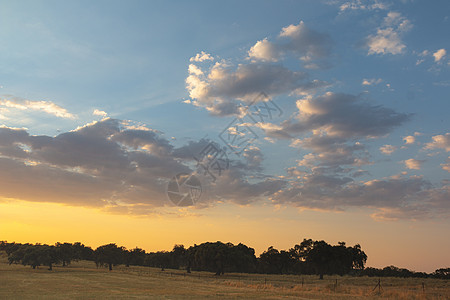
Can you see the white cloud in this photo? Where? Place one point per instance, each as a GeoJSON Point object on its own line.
{"type": "Point", "coordinates": [438, 55]}
{"type": "Point", "coordinates": [193, 69]}
{"type": "Point", "coordinates": [439, 142]}
{"type": "Point", "coordinates": [385, 41]}
{"type": "Point", "coordinates": [413, 164]}
{"type": "Point", "coordinates": [264, 50]}
{"type": "Point", "coordinates": [202, 56]}
{"type": "Point", "coordinates": [388, 149]}
{"type": "Point", "coordinates": [100, 113]}
{"type": "Point", "coordinates": [388, 37]}
{"type": "Point", "coordinates": [45, 106]}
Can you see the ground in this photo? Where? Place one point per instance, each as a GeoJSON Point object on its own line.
{"type": "Point", "coordinates": [82, 280]}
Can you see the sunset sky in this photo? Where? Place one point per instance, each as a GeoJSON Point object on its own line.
{"type": "Point", "coordinates": [341, 109]}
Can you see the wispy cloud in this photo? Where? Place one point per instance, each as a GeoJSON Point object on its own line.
{"type": "Point", "coordinates": [372, 81]}
{"type": "Point", "coordinates": [388, 149]}
{"type": "Point", "coordinates": [44, 106]}
{"type": "Point", "coordinates": [363, 5]}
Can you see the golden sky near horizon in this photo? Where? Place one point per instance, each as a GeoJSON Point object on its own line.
{"type": "Point", "coordinates": [282, 228]}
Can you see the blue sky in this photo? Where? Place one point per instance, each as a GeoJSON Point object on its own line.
{"type": "Point", "coordinates": [137, 89]}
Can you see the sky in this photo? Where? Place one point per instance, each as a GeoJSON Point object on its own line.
{"type": "Point", "coordinates": [154, 123]}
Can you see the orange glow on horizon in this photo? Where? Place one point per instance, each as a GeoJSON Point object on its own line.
{"type": "Point", "coordinates": [23, 222]}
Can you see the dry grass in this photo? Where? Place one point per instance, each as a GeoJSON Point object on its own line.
{"type": "Point", "coordinates": [82, 280]}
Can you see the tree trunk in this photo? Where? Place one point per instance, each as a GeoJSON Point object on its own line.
{"type": "Point", "coordinates": [110, 266]}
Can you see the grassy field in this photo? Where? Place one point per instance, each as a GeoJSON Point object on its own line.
{"type": "Point", "coordinates": [82, 280]}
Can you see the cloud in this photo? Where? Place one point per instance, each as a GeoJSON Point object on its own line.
{"type": "Point", "coordinates": [298, 40]}
{"type": "Point", "coordinates": [438, 55]}
{"type": "Point", "coordinates": [116, 166]}
{"type": "Point", "coordinates": [200, 57]}
{"type": "Point", "coordinates": [409, 197]}
{"type": "Point", "coordinates": [388, 149]}
{"type": "Point", "coordinates": [44, 106]}
{"type": "Point", "coordinates": [329, 151]}
{"type": "Point", "coordinates": [439, 142]}
{"type": "Point", "coordinates": [343, 115]}
{"type": "Point", "coordinates": [222, 85]}
{"type": "Point", "coordinates": [372, 81]}
{"type": "Point", "coordinates": [363, 5]}
{"type": "Point", "coordinates": [446, 165]}
{"type": "Point", "coordinates": [413, 164]}
{"type": "Point", "coordinates": [94, 165]}
{"type": "Point", "coordinates": [388, 38]}
{"type": "Point", "coordinates": [409, 140]}
{"type": "Point", "coordinates": [100, 113]}
{"type": "Point", "coordinates": [264, 50]}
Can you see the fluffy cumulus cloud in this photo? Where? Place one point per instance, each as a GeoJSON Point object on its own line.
{"type": "Point", "coordinates": [297, 40]}
{"type": "Point", "coordinates": [388, 39]}
{"type": "Point", "coordinates": [12, 102]}
{"type": "Point", "coordinates": [441, 141]}
{"type": "Point", "coordinates": [218, 88]}
{"type": "Point", "coordinates": [202, 56]}
{"type": "Point", "coordinates": [219, 85]}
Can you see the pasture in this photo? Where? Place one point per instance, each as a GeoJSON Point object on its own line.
{"type": "Point", "coordinates": [82, 280]}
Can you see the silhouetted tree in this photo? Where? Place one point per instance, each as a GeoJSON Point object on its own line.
{"type": "Point", "coordinates": [109, 254]}
{"type": "Point", "coordinates": [66, 253]}
{"type": "Point", "coordinates": [443, 273]}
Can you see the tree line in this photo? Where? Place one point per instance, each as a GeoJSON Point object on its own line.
{"type": "Point", "coordinates": [308, 257]}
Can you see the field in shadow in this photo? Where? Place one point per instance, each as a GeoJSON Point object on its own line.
{"type": "Point", "coordinates": [82, 280]}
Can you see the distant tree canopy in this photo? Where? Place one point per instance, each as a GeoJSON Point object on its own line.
{"type": "Point", "coordinates": [307, 257]}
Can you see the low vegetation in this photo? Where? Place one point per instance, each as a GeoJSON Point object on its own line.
{"type": "Point", "coordinates": [82, 280]}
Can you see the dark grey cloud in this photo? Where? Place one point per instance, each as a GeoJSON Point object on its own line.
{"type": "Point", "coordinates": [399, 196]}
{"type": "Point", "coordinates": [114, 166]}
{"type": "Point", "coordinates": [343, 115]}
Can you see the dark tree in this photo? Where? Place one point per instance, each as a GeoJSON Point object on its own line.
{"type": "Point", "coordinates": [109, 254]}
{"type": "Point", "coordinates": [83, 252]}
{"type": "Point", "coordinates": [66, 253]}
{"type": "Point", "coordinates": [320, 256]}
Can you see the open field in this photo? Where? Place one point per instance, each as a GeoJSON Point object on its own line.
{"type": "Point", "coordinates": [82, 280]}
